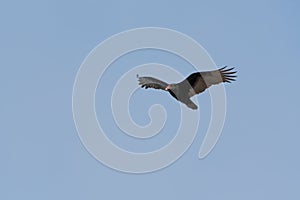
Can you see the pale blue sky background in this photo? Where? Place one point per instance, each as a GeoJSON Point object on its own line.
{"type": "Point", "coordinates": [42, 44]}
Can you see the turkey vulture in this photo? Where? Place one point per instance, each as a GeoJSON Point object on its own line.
{"type": "Point", "coordinates": [194, 84]}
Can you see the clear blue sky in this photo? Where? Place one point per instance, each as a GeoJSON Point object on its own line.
{"type": "Point", "coordinates": [43, 43]}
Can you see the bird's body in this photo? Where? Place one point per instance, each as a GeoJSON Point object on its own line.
{"type": "Point", "coordinates": [194, 84]}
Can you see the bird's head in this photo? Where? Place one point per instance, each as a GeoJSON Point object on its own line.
{"type": "Point", "coordinates": [171, 87]}
{"type": "Point", "coordinates": [168, 87]}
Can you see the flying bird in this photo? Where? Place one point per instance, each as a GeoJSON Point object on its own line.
{"type": "Point", "coordinates": [194, 84]}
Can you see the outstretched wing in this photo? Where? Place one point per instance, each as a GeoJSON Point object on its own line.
{"type": "Point", "coordinates": [202, 80]}
{"type": "Point", "coordinates": [150, 82]}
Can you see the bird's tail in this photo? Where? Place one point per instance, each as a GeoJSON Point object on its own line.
{"type": "Point", "coordinates": [191, 105]}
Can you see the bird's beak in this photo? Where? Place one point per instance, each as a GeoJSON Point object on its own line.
{"type": "Point", "coordinates": [168, 87]}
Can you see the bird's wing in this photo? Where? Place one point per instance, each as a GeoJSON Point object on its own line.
{"type": "Point", "coordinates": [202, 80]}
{"type": "Point", "coordinates": [150, 82]}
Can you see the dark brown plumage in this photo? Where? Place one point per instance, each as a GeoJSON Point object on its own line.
{"type": "Point", "coordinates": [192, 85]}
